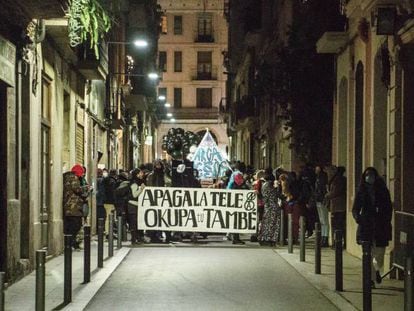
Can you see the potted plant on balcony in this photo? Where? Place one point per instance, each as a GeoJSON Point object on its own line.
{"type": "Point", "coordinates": [88, 22]}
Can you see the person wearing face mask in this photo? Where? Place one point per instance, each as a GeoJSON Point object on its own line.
{"type": "Point", "coordinates": [372, 210]}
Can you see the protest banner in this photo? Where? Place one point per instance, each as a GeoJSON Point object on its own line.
{"type": "Point", "coordinates": [197, 210]}
{"type": "Point", "coordinates": [209, 160]}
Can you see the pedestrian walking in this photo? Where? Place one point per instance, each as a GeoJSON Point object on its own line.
{"type": "Point", "coordinates": [72, 203]}
{"type": "Point", "coordinates": [372, 211]}
{"type": "Point", "coordinates": [336, 198]}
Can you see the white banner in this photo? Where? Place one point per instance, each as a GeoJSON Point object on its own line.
{"type": "Point", "coordinates": [197, 210]}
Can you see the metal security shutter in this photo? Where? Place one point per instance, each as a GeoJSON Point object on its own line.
{"type": "Point", "coordinates": [80, 144]}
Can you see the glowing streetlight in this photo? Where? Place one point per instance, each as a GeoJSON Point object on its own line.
{"type": "Point", "coordinates": [161, 97]}
{"type": "Point", "coordinates": [140, 43]}
{"type": "Point", "coordinates": [153, 75]}
{"type": "Point", "coordinates": [169, 115]}
{"type": "Point", "coordinates": [172, 120]}
{"type": "Point", "coordinates": [167, 105]}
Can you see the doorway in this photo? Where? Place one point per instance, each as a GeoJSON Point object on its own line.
{"type": "Point", "coordinates": [380, 127]}
{"type": "Point", "coordinates": [3, 177]}
{"type": "Point", "coordinates": [359, 123]}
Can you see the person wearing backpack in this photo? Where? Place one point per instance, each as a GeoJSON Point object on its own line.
{"type": "Point", "coordinates": [122, 194]}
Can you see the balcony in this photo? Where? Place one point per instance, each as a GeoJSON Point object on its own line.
{"type": "Point", "coordinates": [331, 42]}
{"type": "Point", "coordinates": [135, 103]}
{"type": "Point", "coordinates": [44, 8]}
{"type": "Point", "coordinates": [90, 67]}
{"type": "Point", "coordinates": [245, 108]}
{"type": "Point", "coordinates": [203, 72]}
{"type": "Point", "coordinates": [190, 113]}
{"type": "Point", "coordinates": [203, 37]}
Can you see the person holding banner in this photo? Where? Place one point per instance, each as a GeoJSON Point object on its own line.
{"type": "Point", "coordinates": [239, 183]}
{"type": "Point", "coordinates": [157, 179]}
{"type": "Point", "coordinates": [137, 185]}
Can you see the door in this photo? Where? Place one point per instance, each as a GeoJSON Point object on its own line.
{"type": "Point", "coordinates": [45, 162]}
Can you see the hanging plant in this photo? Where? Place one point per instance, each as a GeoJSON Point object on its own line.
{"type": "Point", "coordinates": [88, 22]}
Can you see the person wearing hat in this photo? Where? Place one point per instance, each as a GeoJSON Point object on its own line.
{"type": "Point", "coordinates": [72, 203]}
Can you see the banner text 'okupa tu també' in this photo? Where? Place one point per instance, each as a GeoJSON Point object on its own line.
{"type": "Point", "coordinates": [197, 210]}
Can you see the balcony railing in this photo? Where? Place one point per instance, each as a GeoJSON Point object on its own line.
{"type": "Point", "coordinates": [203, 37]}
{"type": "Point", "coordinates": [91, 67]}
{"type": "Point", "coordinates": [245, 108]}
{"type": "Point", "coordinates": [187, 113]}
{"type": "Point", "coordinates": [203, 72]}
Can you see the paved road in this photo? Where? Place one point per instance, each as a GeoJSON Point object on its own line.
{"type": "Point", "coordinates": [197, 278]}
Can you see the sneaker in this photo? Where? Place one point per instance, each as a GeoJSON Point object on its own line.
{"type": "Point", "coordinates": [378, 277]}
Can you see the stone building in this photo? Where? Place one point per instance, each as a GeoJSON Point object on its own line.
{"type": "Point", "coordinates": [59, 106]}
{"type": "Point", "coordinates": [192, 46]}
{"type": "Point", "coordinates": [373, 111]}
{"type": "Point", "coordinates": [279, 105]}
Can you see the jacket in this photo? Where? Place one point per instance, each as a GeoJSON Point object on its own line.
{"type": "Point", "coordinates": [72, 195]}
{"type": "Point", "coordinates": [337, 195]}
{"type": "Point", "coordinates": [373, 216]}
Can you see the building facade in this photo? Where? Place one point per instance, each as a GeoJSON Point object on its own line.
{"type": "Point", "coordinates": [59, 106]}
{"type": "Point", "coordinates": [192, 46]}
{"type": "Point", "coordinates": [279, 105]}
{"type": "Point", "coordinates": [373, 109]}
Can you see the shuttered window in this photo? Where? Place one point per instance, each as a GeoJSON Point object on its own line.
{"type": "Point", "coordinates": [80, 144]}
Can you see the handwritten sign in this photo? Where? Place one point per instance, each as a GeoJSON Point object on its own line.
{"type": "Point", "coordinates": [197, 210]}
{"type": "Point", "coordinates": [209, 160]}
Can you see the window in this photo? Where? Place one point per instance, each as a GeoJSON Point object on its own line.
{"type": "Point", "coordinates": [204, 98]}
{"type": "Point", "coordinates": [205, 28]}
{"type": "Point", "coordinates": [164, 25]}
{"type": "Point", "coordinates": [178, 95]}
{"type": "Point", "coordinates": [178, 25]}
{"type": "Point", "coordinates": [178, 62]}
{"type": "Point", "coordinates": [203, 65]}
{"type": "Point", "coordinates": [162, 61]}
{"type": "Point", "coordinates": [162, 91]}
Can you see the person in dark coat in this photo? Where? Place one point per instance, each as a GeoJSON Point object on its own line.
{"type": "Point", "coordinates": [372, 210]}
{"type": "Point", "coordinates": [336, 198]}
{"type": "Point", "coordinates": [109, 184]}
{"type": "Point", "coordinates": [137, 186]}
{"type": "Point", "coordinates": [100, 198]}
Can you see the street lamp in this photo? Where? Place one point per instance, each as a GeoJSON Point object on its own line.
{"type": "Point", "coordinates": [139, 43]}
{"type": "Point", "coordinates": [172, 120]}
{"type": "Point", "coordinates": [167, 105]}
{"type": "Point", "coordinates": [153, 75]}
{"type": "Point", "coordinates": [169, 115]}
{"type": "Point", "coordinates": [161, 97]}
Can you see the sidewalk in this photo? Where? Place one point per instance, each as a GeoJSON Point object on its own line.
{"type": "Point", "coordinates": [387, 296]}
{"type": "Point", "coordinates": [21, 295]}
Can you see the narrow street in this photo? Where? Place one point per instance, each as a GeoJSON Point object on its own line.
{"type": "Point", "coordinates": [207, 278]}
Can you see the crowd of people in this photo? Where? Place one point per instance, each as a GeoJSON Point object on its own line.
{"type": "Point", "coordinates": [314, 192]}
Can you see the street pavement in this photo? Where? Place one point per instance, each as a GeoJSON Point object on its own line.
{"type": "Point", "coordinates": [207, 278]}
